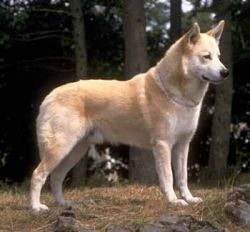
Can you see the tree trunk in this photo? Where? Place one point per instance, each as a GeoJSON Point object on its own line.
{"type": "Point", "coordinates": [79, 38]}
{"type": "Point", "coordinates": [136, 58]}
{"type": "Point", "coordinates": [141, 162]}
{"type": "Point", "coordinates": [220, 142]}
{"type": "Point", "coordinates": [80, 170]}
{"type": "Point", "coordinates": [175, 20]}
{"type": "Point", "coordinates": [142, 167]}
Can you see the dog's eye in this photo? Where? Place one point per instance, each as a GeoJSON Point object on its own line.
{"type": "Point", "coordinates": [208, 56]}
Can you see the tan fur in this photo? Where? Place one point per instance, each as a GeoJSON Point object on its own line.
{"type": "Point", "coordinates": [157, 110]}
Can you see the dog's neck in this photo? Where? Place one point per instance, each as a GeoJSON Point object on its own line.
{"type": "Point", "coordinates": [181, 88]}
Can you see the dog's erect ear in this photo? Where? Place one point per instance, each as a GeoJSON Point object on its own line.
{"type": "Point", "coordinates": [193, 34]}
{"type": "Point", "coordinates": [217, 31]}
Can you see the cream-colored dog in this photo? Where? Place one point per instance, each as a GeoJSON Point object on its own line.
{"type": "Point", "coordinates": [156, 110]}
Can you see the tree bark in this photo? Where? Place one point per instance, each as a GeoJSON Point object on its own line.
{"type": "Point", "coordinates": [175, 20]}
{"type": "Point", "coordinates": [142, 167]}
{"type": "Point", "coordinates": [136, 57]}
{"type": "Point", "coordinates": [79, 38]}
{"type": "Point", "coordinates": [80, 170]}
{"type": "Point", "coordinates": [141, 162]}
{"type": "Point", "coordinates": [220, 142]}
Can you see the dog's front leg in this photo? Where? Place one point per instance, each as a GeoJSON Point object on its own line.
{"type": "Point", "coordinates": [162, 155]}
{"type": "Point", "coordinates": [180, 158]}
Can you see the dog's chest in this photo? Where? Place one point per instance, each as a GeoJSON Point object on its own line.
{"type": "Point", "coordinates": [185, 122]}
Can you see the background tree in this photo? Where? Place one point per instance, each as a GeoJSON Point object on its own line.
{"type": "Point", "coordinates": [79, 38]}
{"type": "Point", "coordinates": [80, 170]}
{"type": "Point", "coordinates": [220, 137]}
{"type": "Point", "coordinates": [175, 20]}
{"type": "Point", "coordinates": [136, 57]}
{"type": "Point", "coordinates": [141, 163]}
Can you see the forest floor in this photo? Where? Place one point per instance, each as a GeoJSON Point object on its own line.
{"type": "Point", "coordinates": [130, 206]}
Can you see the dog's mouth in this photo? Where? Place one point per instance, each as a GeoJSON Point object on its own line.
{"type": "Point", "coordinates": [205, 78]}
{"type": "Point", "coordinates": [211, 81]}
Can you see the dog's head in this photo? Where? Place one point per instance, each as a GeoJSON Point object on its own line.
{"type": "Point", "coordinates": [201, 56]}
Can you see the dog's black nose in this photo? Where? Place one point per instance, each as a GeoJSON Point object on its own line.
{"type": "Point", "coordinates": [224, 73]}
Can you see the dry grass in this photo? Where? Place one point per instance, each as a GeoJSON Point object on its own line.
{"type": "Point", "coordinates": [100, 208]}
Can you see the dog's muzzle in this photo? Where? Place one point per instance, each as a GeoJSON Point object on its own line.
{"type": "Point", "coordinates": [224, 73]}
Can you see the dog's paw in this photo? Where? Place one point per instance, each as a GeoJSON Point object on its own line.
{"type": "Point", "coordinates": [39, 208]}
{"type": "Point", "coordinates": [193, 200]}
{"type": "Point", "coordinates": [179, 203]}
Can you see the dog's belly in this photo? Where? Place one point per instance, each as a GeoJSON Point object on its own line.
{"type": "Point", "coordinates": [130, 136]}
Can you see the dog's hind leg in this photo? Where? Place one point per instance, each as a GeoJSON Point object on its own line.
{"type": "Point", "coordinates": [59, 173]}
{"type": "Point", "coordinates": [56, 138]}
{"type": "Point", "coordinates": [38, 179]}
{"type": "Point", "coordinates": [49, 161]}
